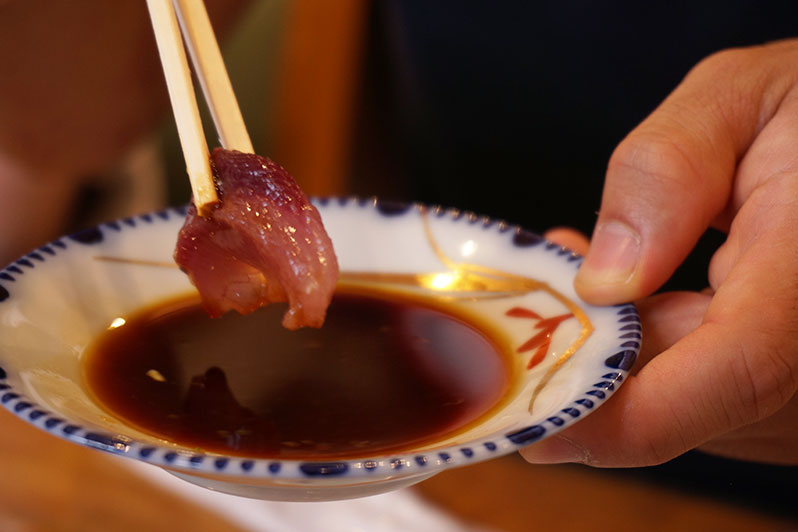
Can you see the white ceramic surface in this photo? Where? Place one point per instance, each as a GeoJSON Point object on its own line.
{"type": "Point", "coordinates": [57, 299]}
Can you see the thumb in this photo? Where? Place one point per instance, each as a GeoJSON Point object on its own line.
{"type": "Point", "coordinates": [672, 176]}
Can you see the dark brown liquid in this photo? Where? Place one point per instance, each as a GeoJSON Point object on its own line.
{"type": "Point", "coordinates": [382, 374]}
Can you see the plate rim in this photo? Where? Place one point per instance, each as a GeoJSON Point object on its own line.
{"type": "Point", "coordinates": [376, 468]}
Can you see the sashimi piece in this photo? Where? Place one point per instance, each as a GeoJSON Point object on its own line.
{"type": "Point", "coordinates": [263, 243]}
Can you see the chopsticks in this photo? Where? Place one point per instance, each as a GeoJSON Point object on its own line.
{"type": "Point", "coordinates": [215, 83]}
{"type": "Point", "coordinates": [212, 75]}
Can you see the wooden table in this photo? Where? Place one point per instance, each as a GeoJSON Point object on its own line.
{"type": "Point", "coordinates": [51, 485]}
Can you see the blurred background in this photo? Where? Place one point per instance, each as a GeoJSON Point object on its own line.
{"type": "Point", "coordinates": [508, 109]}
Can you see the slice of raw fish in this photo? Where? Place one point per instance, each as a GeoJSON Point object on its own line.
{"type": "Point", "coordinates": [263, 243]}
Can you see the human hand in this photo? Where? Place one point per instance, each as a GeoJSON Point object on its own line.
{"type": "Point", "coordinates": [719, 369]}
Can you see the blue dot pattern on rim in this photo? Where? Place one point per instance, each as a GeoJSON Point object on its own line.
{"type": "Point", "coordinates": [629, 329]}
{"type": "Point", "coordinates": [146, 452]}
{"type": "Point", "coordinates": [392, 208]}
{"type": "Point", "coordinates": [9, 396]}
{"type": "Point", "coordinates": [53, 422]}
{"type": "Point", "coordinates": [93, 235]}
{"type": "Point", "coordinates": [527, 435]}
{"type": "Point", "coordinates": [326, 469]}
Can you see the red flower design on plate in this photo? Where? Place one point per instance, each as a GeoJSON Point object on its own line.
{"type": "Point", "coordinates": [541, 341]}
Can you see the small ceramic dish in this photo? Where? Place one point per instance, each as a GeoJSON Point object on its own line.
{"type": "Point", "coordinates": [570, 356]}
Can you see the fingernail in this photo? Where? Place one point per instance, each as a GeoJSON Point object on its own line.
{"type": "Point", "coordinates": [557, 449]}
{"type": "Point", "coordinates": [613, 256]}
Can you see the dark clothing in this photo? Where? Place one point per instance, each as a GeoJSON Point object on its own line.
{"type": "Point", "coordinates": [512, 109]}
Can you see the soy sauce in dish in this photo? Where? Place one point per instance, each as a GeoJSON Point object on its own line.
{"type": "Point", "coordinates": [385, 373]}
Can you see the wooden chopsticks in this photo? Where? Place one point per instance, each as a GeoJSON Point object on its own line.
{"type": "Point", "coordinates": [212, 75]}
{"type": "Point", "coordinates": [215, 82]}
